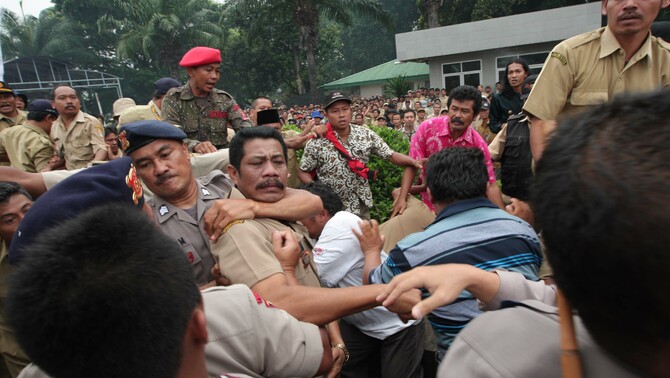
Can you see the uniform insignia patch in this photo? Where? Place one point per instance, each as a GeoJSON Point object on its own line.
{"type": "Point", "coordinates": [231, 224]}
{"type": "Point", "coordinates": [205, 192]}
{"type": "Point", "coordinates": [560, 57]}
{"type": "Point", "coordinates": [305, 258]}
{"type": "Point", "coordinates": [163, 210]}
{"type": "Point", "coordinates": [134, 183]}
{"type": "Point", "coordinates": [123, 138]}
{"type": "Point", "coordinates": [190, 257]}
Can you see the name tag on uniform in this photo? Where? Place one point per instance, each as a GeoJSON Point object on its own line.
{"type": "Point", "coordinates": [218, 114]}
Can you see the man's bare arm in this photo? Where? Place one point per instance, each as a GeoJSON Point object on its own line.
{"type": "Point", "coordinates": [32, 182]}
{"type": "Point", "coordinates": [317, 305]}
{"type": "Point", "coordinates": [539, 132]}
{"type": "Point", "coordinates": [302, 203]}
{"type": "Point", "coordinates": [400, 203]}
{"type": "Point", "coordinates": [494, 195]}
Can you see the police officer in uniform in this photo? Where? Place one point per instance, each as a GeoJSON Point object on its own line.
{"type": "Point", "coordinates": [202, 111]}
{"type": "Point", "coordinates": [9, 114]}
{"type": "Point", "coordinates": [182, 203]}
{"type": "Point", "coordinates": [591, 68]}
{"type": "Point", "coordinates": [29, 146]}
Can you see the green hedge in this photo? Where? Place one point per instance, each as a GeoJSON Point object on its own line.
{"type": "Point", "coordinates": [389, 175]}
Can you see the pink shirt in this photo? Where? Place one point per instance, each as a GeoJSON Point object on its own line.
{"type": "Point", "coordinates": [433, 135]}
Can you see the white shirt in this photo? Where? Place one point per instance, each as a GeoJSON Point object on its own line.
{"type": "Point", "coordinates": [339, 260]}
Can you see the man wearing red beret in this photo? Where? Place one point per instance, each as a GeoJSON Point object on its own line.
{"type": "Point", "coordinates": [202, 111]}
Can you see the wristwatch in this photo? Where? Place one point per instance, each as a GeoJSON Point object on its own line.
{"type": "Point", "coordinates": [344, 349]}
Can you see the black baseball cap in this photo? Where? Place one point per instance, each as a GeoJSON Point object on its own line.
{"type": "Point", "coordinates": [334, 97]}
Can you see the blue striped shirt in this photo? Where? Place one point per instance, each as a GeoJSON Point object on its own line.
{"type": "Point", "coordinates": [475, 232]}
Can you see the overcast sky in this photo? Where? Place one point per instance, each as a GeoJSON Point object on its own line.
{"type": "Point", "coordinates": [30, 7]}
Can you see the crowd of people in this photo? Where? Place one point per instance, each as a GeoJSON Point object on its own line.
{"type": "Point", "coordinates": [187, 239]}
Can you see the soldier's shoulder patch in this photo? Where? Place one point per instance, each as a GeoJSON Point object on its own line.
{"type": "Point", "coordinates": [560, 57]}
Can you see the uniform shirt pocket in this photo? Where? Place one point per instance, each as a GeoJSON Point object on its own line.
{"type": "Point", "coordinates": [588, 98]}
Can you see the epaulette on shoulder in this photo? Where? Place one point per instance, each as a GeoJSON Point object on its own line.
{"type": "Point", "coordinates": [221, 91]}
{"type": "Point", "coordinates": [661, 42]}
{"type": "Point", "coordinates": [584, 38]}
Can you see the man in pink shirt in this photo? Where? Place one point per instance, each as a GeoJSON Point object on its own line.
{"type": "Point", "coordinates": [439, 133]}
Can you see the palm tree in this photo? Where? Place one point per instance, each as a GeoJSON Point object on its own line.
{"type": "Point", "coordinates": [52, 34]}
{"type": "Point", "coordinates": [161, 31]}
{"type": "Point", "coordinates": [305, 14]}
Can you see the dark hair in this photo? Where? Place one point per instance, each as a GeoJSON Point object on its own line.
{"type": "Point", "coordinates": [23, 97]}
{"type": "Point", "coordinates": [507, 89]}
{"type": "Point", "coordinates": [52, 93]}
{"type": "Point", "coordinates": [601, 197]}
{"type": "Point", "coordinates": [255, 101]}
{"type": "Point", "coordinates": [464, 93]}
{"type": "Point", "coordinates": [116, 301]}
{"type": "Point", "coordinates": [331, 201]}
{"type": "Point", "coordinates": [457, 173]}
{"type": "Point", "coordinates": [9, 188]}
{"type": "Point", "coordinates": [236, 148]}
{"type": "Point", "coordinates": [110, 130]}
{"type": "Point", "coordinates": [408, 111]}
{"type": "Point", "coordinates": [391, 114]}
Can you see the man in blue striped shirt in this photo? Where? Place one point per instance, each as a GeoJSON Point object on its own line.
{"type": "Point", "coordinates": [469, 229]}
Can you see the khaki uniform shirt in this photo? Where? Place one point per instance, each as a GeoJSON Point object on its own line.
{"type": "Point", "coordinates": [590, 69]}
{"type": "Point", "coordinates": [523, 341]}
{"type": "Point", "coordinates": [6, 122]}
{"type": "Point", "coordinates": [246, 256]}
{"type": "Point", "coordinates": [14, 358]}
{"type": "Point", "coordinates": [292, 163]}
{"type": "Point", "coordinates": [483, 129]}
{"type": "Point", "coordinates": [189, 233]}
{"type": "Point", "coordinates": [416, 217]}
{"type": "Point", "coordinates": [28, 147]}
{"type": "Point", "coordinates": [203, 118]}
{"type": "Point", "coordinates": [80, 141]}
{"type": "Point", "coordinates": [155, 109]}
{"type": "Point", "coordinates": [248, 335]}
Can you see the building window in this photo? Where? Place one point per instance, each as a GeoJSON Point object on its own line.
{"type": "Point", "coordinates": [462, 73]}
{"type": "Point", "coordinates": [535, 62]}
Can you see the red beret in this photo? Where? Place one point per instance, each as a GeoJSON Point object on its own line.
{"type": "Point", "coordinates": [199, 56]}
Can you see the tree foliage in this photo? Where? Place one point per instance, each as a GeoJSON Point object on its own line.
{"type": "Point", "coordinates": [397, 86]}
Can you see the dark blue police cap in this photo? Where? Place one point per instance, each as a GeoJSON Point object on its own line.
{"type": "Point", "coordinates": [165, 84]}
{"type": "Point", "coordinates": [112, 182]}
{"type": "Point", "coordinates": [138, 134]}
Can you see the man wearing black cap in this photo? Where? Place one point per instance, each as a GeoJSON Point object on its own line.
{"type": "Point", "coordinates": [202, 111]}
{"type": "Point", "coordinates": [340, 158]}
{"type": "Point", "coordinates": [187, 208]}
{"type": "Point", "coordinates": [9, 114]}
{"type": "Point", "coordinates": [28, 146]}
{"type": "Point", "coordinates": [163, 85]}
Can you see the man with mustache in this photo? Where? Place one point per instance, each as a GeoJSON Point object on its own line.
{"type": "Point", "coordinates": [202, 111]}
{"type": "Point", "coordinates": [591, 68]}
{"type": "Point", "coordinates": [9, 114]}
{"type": "Point", "coordinates": [439, 133]}
{"type": "Point", "coordinates": [191, 210]}
{"type": "Point", "coordinates": [245, 251]}
{"type": "Point", "coordinates": [79, 137]}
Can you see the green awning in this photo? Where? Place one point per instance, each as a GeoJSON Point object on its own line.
{"type": "Point", "coordinates": [379, 74]}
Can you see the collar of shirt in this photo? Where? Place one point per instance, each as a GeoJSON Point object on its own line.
{"type": "Point", "coordinates": [78, 118]}
{"type": "Point", "coordinates": [443, 130]}
{"type": "Point", "coordinates": [609, 45]}
{"type": "Point", "coordinates": [166, 210]}
{"type": "Point", "coordinates": [464, 205]}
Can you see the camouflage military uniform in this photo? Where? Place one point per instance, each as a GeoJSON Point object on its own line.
{"type": "Point", "coordinates": [203, 118]}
